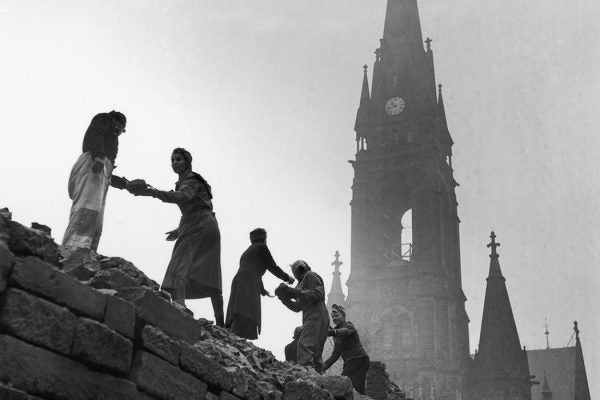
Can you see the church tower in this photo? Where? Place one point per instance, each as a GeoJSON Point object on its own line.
{"type": "Point", "coordinates": [404, 289]}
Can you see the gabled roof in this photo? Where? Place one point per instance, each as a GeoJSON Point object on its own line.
{"type": "Point", "coordinates": [559, 366]}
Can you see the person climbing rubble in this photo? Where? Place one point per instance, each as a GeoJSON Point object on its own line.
{"type": "Point", "coordinates": [309, 297]}
{"type": "Point", "coordinates": [244, 311]}
{"type": "Point", "coordinates": [347, 345]}
{"type": "Point", "coordinates": [194, 271]}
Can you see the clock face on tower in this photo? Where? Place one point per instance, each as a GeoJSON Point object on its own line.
{"type": "Point", "coordinates": [394, 106]}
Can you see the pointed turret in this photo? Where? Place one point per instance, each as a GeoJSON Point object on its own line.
{"type": "Point", "coordinates": [363, 115]}
{"type": "Point", "coordinates": [582, 389]}
{"type": "Point", "coordinates": [336, 295]}
{"type": "Point", "coordinates": [546, 392]}
{"type": "Point", "coordinates": [501, 360]}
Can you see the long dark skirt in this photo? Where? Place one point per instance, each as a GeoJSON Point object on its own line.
{"type": "Point", "coordinates": [196, 262]}
{"type": "Point", "coordinates": [356, 369]}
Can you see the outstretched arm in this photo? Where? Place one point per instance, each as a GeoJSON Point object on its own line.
{"type": "Point", "coordinates": [335, 355]}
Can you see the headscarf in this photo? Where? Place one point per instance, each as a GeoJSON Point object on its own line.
{"type": "Point", "coordinates": [339, 309]}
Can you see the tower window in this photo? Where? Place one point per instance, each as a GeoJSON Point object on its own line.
{"type": "Point", "coordinates": [406, 236]}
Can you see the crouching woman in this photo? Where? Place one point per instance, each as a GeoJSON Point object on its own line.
{"type": "Point", "coordinates": [347, 345]}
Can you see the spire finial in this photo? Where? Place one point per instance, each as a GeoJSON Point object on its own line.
{"type": "Point", "coordinates": [428, 42]}
{"type": "Point", "coordinates": [493, 245]}
{"type": "Point", "coordinates": [365, 68]}
{"type": "Point", "coordinates": [547, 333]}
{"type": "Point", "coordinates": [337, 263]}
{"type": "Point", "coordinates": [440, 90]}
{"type": "Point", "coordinates": [576, 329]}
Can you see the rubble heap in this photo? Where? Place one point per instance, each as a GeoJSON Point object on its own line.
{"type": "Point", "coordinates": [83, 326]}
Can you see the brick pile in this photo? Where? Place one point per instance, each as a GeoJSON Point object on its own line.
{"type": "Point", "coordinates": [94, 328]}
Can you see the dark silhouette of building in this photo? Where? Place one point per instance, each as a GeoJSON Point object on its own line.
{"type": "Point", "coordinates": [563, 372]}
{"type": "Point", "coordinates": [404, 290]}
{"type": "Point", "coordinates": [501, 368]}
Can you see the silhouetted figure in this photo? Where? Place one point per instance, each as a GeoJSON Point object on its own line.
{"type": "Point", "coordinates": [244, 311]}
{"type": "Point", "coordinates": [309, 297]}
{"type": "Point", "coordinates": [90, 178]}
{"type": "Point", "coordinates": [194, 271]}
{"type": "Point", "coordinates": [291, 349]}
{"type": "Point", "coordinates": [347, 345]}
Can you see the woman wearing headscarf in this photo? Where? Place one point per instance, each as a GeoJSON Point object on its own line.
{"type": "Point", "coordinates": [309, 297]}
{"type": "Point", "coordinates": [243, 311]}
{"type": "Point", "coordinates": [347, 345]}
{"type": "Point", "coordinates": [194, 271]}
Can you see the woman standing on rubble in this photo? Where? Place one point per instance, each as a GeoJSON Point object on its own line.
{"type": "Point", "coordinates": [194, 271]}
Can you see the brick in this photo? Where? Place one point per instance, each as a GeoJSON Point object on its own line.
{"type": "Point", "coordinates": [194, 361]}
{"type": "Point", "coordinates": [153, 309]}
{"type": "Point", "coordinates": [163, 380]}
{"type": "Point", "coordinates": [6, 264]}
{"type": "Point", "coordinates": [38, 321]}
{"type": "Point", "coordinates": [120, 316]}
{"type": "Point", "coordinates": [339, 386]}
{"type": "Point", "coordinates": [227, 396]}
{"type": "Point", "coordinates": [211, 396]}
{"type": "Point", "coordinates": [36, 276]}
{"type": "Point", "coordinates": [42, 373]}
{"type": "Point", "coordinates": [98, 345]}
{"type": "Point", "coordinates": [305, 390]}
{"type": "Point", "coordinates": [157, 342]}
{"type": "Point", "coordinates": [9, 393]}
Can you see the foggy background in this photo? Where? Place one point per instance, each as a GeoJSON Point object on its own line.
{"type": "Point", "coordinates": [264, 94]}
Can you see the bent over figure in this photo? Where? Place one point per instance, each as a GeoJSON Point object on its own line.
{"type": "Point", "coordinates": [309, 297]}
{"type": "Point", "coordinates": [243, 311]}
{"type": "Point", "coordinates": [90, 178]}
{"type": "Point", "coordinates": [347, 344]}
{"type": "Point", "coordinates": [194, 271]}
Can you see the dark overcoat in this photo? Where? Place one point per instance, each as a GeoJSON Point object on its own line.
{"type": "Point", "coordinates": [247, 285]}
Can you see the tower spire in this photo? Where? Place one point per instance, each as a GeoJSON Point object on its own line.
{"type": "Point", "coordinates": [441, 108]}
{"type": "Point", "coordinates": [363, 114]}
{"type": "Point", "coordinates": [547, 333]}
{"type": "Point", "coordinates": [500, 358]}
{"type": "Point", "coordinates": [336, 295]}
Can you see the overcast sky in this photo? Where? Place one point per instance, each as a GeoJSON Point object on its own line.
{"type": "Point", "coordinates": [264, 94]}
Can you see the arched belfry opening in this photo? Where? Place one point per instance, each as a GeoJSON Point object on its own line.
{"type": "Point", "coordinates": [406, 237]}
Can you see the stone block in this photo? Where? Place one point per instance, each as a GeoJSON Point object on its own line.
{"type": "Point", "coordinates": [81, 263]}
{"type": "Point", "coordinates": [155, 310]}
{"type": "Point", "coordinates": [6, 264]}
{"type": "Point", "coordinates": [98, 345]}
{"type": "Point", "coordinates": [339, 386]}
{"type": "Point", "coordinates": [36, 276]}
{"type": "Point", "coordinates": [194, 361]}
{"type": "Point", "coordinates": [163, 380]}
{"type": "Point", "coordinates": [157, 342]}
{"type": "Point", "coordinates": [24, 241]}
{"type": "Point", "coordinates": [305, 390]}
{"type": "Point", "coordinates": [120, 316]}
{"type": "Point", "coordinates": [226, 396]}
{"type": "Point", "coordinates": [38, 321]}
{"type": "Point", "coordinates": [42, 373]}
{"type": "Point", "coordinates": [9, 393]}
{"type": "Point", "coordinates": [112, 278]}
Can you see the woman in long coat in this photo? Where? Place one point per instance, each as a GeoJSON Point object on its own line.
{"type": "Point", "coordinates": [243, 311]}
{"type": "Point", "coordinates": [194, 271]}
